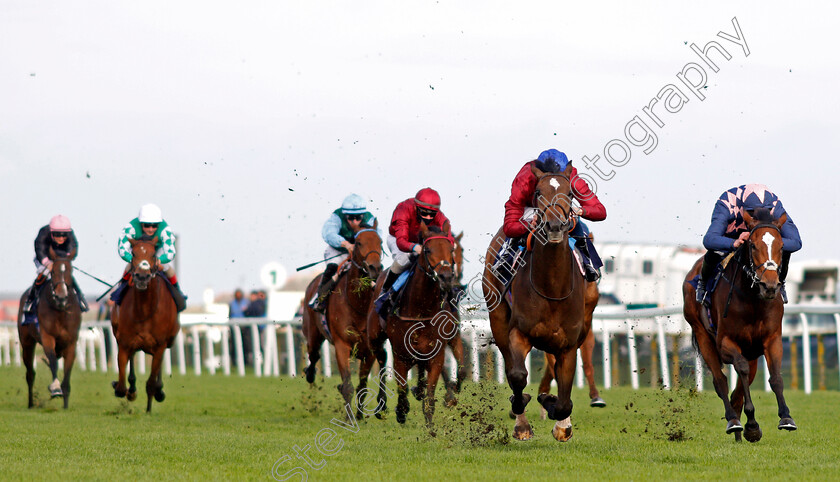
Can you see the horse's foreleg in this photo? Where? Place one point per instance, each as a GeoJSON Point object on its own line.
{"type": "Point", "coordinates": [731, 352]}
{"type": "Point", "coordinates": [457, 346]}
{"type": "Point", "coordinates": [737, 397]}
{"type": "Point", "coordinates": [418, 391]}
{"type": "Point", "coordinates": [314, 342]}
{"type": "Point", "coordinates": [132, 379]}
{"type": "Point", "coordinates": [401, 368]}
{"type": "Point", "coordinates": [710, 355]}
{"type": "Point", "coordinates": [517, 375]}
{"type": "Point", "coordinates": [342, 359]}
{"type": "Point", "coordinates": [586, 350]}
{"type": "Point", "coordinates": [154, 387]}
{"type": "Point", "coordinates": [382, 359]}
{"type": "Point", "coordinates": [560, 408]}
{"type": "Point", "coordinates": [48, 342]}
{"type": "Point", "coordinates": [435, 366]}
{"type": "Point", "coordinates": [28, 352]}
{"type": "Point", "coordinates": [773, 354]}
{"type": "Point", "coordinates": [362, 390]}
{"type": "Point", "coordinates": [122, 359]}
{"type": "Point", "coordinates": [545, 383]}
{"type": "Point", "coordinates": [69, 359]}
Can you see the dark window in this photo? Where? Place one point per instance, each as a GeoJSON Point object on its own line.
{"type": "Point", "coordinates": [647, 267]}
{"type": "Point", "coordinates": [609, 266]}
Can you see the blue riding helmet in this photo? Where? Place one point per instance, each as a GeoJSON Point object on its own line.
{"type": "Point", "coordinates": [552, 160]}
{"type": "Point", "coordinates": [353, 204]}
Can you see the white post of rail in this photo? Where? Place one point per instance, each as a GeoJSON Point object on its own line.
{"type": "Point", "coordinates": [196, 351]}
{"type": "Point", "coordinates": [81, 354]}
{"type": "Point", "coordinates": [225, 350]}
{"type": "Point", "coordinates": [474, 354]}
{"type": "Point", "coordinates": [211, 353]}
{"type": "Point", "coordinates": [238, 351]}
{"type": "Point", "coordinates": [698, 371]}
{"type": "Point", "coordinates": [389, 361]}
{"type": "Point", "coordinates": [256, 350]}
{"type": "Point", "coordinates": [528, 367]}
{"type": "Point", "coordinates": [607, 368]}
{"type": "Point", "coordinates": [634, 361]}
{"type": "Point", "coordinates": [806, 352]}
{"type": "Point", "coordinates": [766, 371]}
{"type": "Point", "coordinates": [579, 370]}
{"type": "Point", "coordinates": [326, 364]}
{"type": "Point", "coordinates": [103, 358]}
{"type": "Point", "coordinates": [733, 378]}
{"type": "Point", "coordinates": [837, 334]}
{"type": "Point", "coordinates": [291, 355]}
{"type": "Point", "coordinates": [114, 349]}
{"type": "Point", "coordinates": [182, 356]}
{"type": "Point", "coordinates": [663, 353]}
{"type": "Point", "coordinates": [500, 365]}
{"type": "Point", "coordinates": [167, 362]}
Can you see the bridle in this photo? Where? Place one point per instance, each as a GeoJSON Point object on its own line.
{"type": "Point", "coordinates": [55, 301]}
{"type": "Point", "coordinates": [567, 218]}
{"type": "Point", "coordinates": [366, 255]}
{"type": "Point", "coordinates": [750, 269]}
{"type": "Point", "coordinates": [431, 272]}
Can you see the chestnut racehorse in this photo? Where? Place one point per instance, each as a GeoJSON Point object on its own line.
{"type": "Point", "coordinates": [424, 323]}
{"type": "Point", "coordinates": [347, 310]}
{"type": "Point", "coordinates": [547, 306]}
{"type": "Point", "coordinates": [746, 322]}
{"type": "Point", "coordinates": [591, 297]}
{"type": "Point", "coordinates": [59, 320]}
{"type": "Point", "coordinates": [146, 320]}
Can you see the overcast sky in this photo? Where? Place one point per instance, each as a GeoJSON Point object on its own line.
{"type": "Point", "coordinates": [248, 122]}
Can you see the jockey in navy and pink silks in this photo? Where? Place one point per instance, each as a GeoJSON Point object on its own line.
{"type": "Point", "coordinates": [404, 234]}
{"type": "Point", "coordinates": [519, 209]}
{"type": "Point", "coordinates": [728, 230]}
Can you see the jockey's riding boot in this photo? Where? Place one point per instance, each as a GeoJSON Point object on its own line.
{"type": "Point", "coordinates": [592, 274]}
{"type": "Point", "coordinates": [325, 286]}
{"type": "Point", "coordinates": [180, 297]}
{"type": "Point", "coordinates": [119, 291]}
{"type": "Point", "coordinates": [783, 270]}
{"type": "Point", "coordinates": [383, 303]}
{"type": "Point", "coordinates": [784, 293]}
{"type": "Point", "coordinates": [82, 302]}
{"type": "Point", "coordinates": [29, 305]}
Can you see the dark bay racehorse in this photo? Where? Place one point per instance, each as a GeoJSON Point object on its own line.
{"type": "Point", "coordinates": [591, 297]}
{"type": "Point", "coordinates": [547, 306]}
{"type": "Point", "coordinates": [146, 320]}
{"type": "Point", "coordinates": [424, 324]}
{"type": "Point", "coordinates": [347, 310]}
{"type": "Point", "coordinates": [455, 344]}
{"type": "Point", "coordinates": [59, 320]}
{"type": "Point", "coordinates": [746, 322]}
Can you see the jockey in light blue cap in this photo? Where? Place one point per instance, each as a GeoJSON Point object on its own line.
{"type": "Point", "coordinates": [339, 234]}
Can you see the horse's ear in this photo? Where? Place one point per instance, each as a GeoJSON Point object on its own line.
{"type": "Point", "coordinates": [72, 254]}
{"type": "Point", "coordinates": [782, 220]}
{"type": "Point", "coordinates": [154, 241]}
{"type": "Point", "coordinates": [568, 171]}
{"type": "Point", "coordinates": [375, 223]}
{"type": "Point", "coordinates": [751, 222]}
{"type": "Point", "coordinates": [51, 254]}
{"type": "Point", "coordinates": [132, 242]}
{"type": "Point", "coordinates": [536, 170]}
{"type": "Point", "coordinates": [458, 238]}
{"type": "Point", "coordinates": [447, 229]}
{"type": "Point", "coordinates": [424, 231]}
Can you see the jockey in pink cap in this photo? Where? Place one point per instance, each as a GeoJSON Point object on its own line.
{"type": "Point", "coordinates": [59, 236]}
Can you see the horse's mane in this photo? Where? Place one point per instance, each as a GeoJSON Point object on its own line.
{"type": "Point", "coordinates": [762, 215]}
{"type": "Point", "coordinates": [433, 231]}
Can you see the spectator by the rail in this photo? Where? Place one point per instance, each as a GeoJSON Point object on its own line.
{"type": "Point", "coordinates": [238, 306]}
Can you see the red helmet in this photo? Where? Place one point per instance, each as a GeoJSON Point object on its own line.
{"type": "Point", "coordinates": [60, 223]}
{"type": "Point", "coordinates": [427, 199]}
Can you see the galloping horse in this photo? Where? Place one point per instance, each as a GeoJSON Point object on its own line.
{"type": "Point", "coordinates": [591, 297]}
{"type": "Point", "coordinates": [455, 344]}
{"type": "Point", "coordinates": [146, 320]}
{"type": "Point", "coordinates": [59, 320]}
{"type": "Point", "coordinates": [746, 322]}
{"type": "Point", "coordinates": [425, 322]}
{"type": "Point", "coordinates": [547, 306]}
{"type": "Point", "coordinates": [346, 311]}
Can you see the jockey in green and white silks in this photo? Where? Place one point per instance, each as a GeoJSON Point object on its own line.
{"type": "Point", "coordinates": [149, 223]}
{"type": "Point", "coordinates": [338, 232]}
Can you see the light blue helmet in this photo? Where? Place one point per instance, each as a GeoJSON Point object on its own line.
{"type": "Point", "coordinates": [353, 204]}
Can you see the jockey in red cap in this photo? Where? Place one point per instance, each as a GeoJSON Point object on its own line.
{"type": "Point", "coordinates": [520, 212]}
{"type": "Point", "coordinates": [59, 236]}
{"type": "Point", "coordinates": [404, 234]}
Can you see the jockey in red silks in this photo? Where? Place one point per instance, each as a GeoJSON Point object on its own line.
{"type": "Point", "coordinates": [404, 236]}
{"type": "Point", "coordinates": [520, 211]}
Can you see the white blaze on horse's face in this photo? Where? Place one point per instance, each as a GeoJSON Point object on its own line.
{"type": "Point", "coordinates": [144, 265]}
{"type": "Point", "coordinates": [768, 239]}
{"type": "Point", "coordinates": [553, 182]}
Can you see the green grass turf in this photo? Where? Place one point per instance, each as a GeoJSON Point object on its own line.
{"type": "Point", "coordinates": [221, 428]}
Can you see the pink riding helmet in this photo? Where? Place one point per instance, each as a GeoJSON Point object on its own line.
{"type": "Point", "coordinates": [60, 223]}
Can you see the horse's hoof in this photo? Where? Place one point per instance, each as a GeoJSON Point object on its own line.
{"type": "Point", "coordinates": [543, 413]}
{"type": "Point", "coordinates": [56, 393]}
{"type": "Point", "coordinates": [310, 375]}
{"type": "Point", "coordinates": [55, 389]}
{"type": "Point", "coordinates": [380, 414]}
{"type": "Point", "coordinates": [418, 393]}
{"type": "Point", "coordinates": [597, 402]}
{"type": "Point", "coordinates": [562, 430]}
{"type": "Point", "coordinates": [400, 417]}
{"type": "Point", "coordinates": [131, 396]}
{"type": "Point", "coordinates": [787, 424]}
{"type": "Point", "coordinates": [511, 415]}
{"type": "Point", "coordinates": [523, 433]}
{"type": "Point", "coordinates": [160, 396]}
{"type": "Point", "coordinates": [752, 433]}
{"type": "Point", "coordinates": [734, 425]}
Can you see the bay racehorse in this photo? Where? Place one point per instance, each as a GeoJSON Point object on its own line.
{"type": "Point", "coordinates": [591, 296]}
{"type": "Point", "coordinates": [59, 320]}
{"type": "Point", "coordinates": [743, 322]}
{"type": "Point", "coordinates": [426, 320]}
{"type": "Point", "coordinates": [145, 320]}
{"type": "Point", "coordinates": [346, 313]}
{"type": "Point", "coordinates": [546, 308]}
{"type": "Point", "coordinates": [455, 344]}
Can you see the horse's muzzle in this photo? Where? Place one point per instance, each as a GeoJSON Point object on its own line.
{"type": "Point", "coordinates": [768, 291]}
{"type": "Point", "coordinates": [142, 280]}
